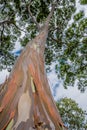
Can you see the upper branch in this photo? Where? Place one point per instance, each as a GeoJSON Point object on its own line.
{"type": "Point", "coordinates": [5, 22]}
{"type": "Point", "coordinates": [1, 37]}
{"type": "Point", "coordinates": [8, 22]}
{"type": "Point", "coordinates": [33, 18]}
{"type": "Point", "coordinates": [50, 14]}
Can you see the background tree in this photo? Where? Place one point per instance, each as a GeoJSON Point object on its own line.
{"type": "Point", "coordinates": [72, 115]}
{"type": "Point", "coordinates": [65, 44]}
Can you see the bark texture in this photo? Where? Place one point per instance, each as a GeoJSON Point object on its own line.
{"type": "Point", "coordinates": [26, 102]}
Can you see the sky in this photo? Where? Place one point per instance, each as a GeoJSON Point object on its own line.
{"type": "Point", "coordinates": [55, 84]}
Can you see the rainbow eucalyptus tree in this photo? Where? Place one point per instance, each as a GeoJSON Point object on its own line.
{"type": "Point", "coordinates": [26, 102]}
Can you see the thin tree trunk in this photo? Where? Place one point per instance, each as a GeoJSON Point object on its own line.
{"type": "Point", "coordinates": [26, 102]}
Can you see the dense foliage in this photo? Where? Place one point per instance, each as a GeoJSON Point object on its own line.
{"type": "Point", "coordinates": [65, 44]}
{"type": "Point", "coordinates": [73, 116]}
{"type": "Point", "coordinates": [83, 2]}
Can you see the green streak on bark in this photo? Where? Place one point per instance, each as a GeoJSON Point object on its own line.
{"type": "Point", "coordinates": [32, 85]}
{"type": "Point", "coordinates": [10, 125]}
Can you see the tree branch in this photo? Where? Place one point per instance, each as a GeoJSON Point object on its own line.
{"type": "Point", "coordinates": [10, 22]}
{"type": "Point", "coordinates": [50, 14]}
{"type": "Point", "coordinates": [33, 18]}
{"type": "Point", "coordinates": [5, 22]}
{"type": "Point", "coordinates": [55, 40]}
{"type": "Point", "coordinates": [1, 38]}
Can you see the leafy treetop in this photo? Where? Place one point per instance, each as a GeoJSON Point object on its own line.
{"type": "Point", "coordinates": [72, 115]}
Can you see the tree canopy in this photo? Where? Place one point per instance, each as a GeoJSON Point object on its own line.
{"type": "Point", "coordinates": [66, 44]}
{"type": "Point", "coordinates": [72, 115]}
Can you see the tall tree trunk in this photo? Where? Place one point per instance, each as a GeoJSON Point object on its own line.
{"type": "Point", "coordinates": [26, 102]}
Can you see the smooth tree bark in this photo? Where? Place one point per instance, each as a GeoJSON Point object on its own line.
{"type": "Point", "coordinates": [26, 102]}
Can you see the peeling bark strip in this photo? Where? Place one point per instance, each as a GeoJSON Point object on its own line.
{"type": "Point", "coordinates": [27, 103]}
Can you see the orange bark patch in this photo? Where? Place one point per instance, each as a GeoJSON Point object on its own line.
{"type": "Point", "coordinates": [10, 92]}
{"type": "Point", "coordinates": [12, 114]}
